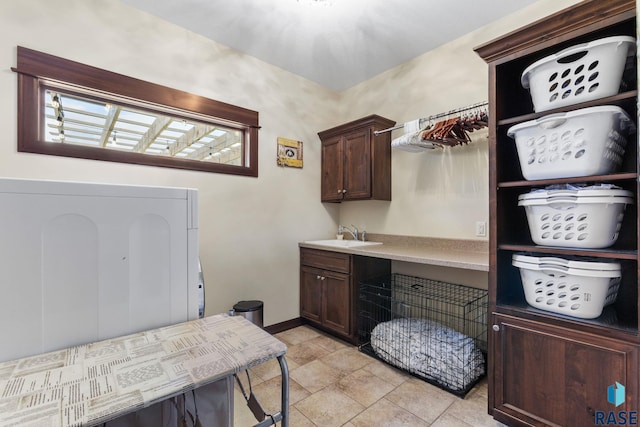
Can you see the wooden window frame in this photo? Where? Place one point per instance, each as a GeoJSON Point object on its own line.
{"type": "Point", "coordinates": [35, 69]}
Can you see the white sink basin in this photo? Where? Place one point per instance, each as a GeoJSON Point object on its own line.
{"type": "Point", "coordinates": [335, 243]}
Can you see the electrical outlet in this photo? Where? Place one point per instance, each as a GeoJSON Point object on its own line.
{"type": "Point", "coordinates": [481, 229]}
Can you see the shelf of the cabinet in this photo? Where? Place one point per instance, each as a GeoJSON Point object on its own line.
{"type": "Point", "coordinates": [607, 324]}
{"type": "Point", "coordinates": [621, 98]}
{"type": "Point", "coordinates": [601, 253]}
{"type": "Point", "coordinates": [580, 179]}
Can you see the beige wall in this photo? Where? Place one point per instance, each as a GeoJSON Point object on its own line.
{"type": "Point", "coordinates": [249, 228]}
{"type": "Point", "coordinates": [440, 193]}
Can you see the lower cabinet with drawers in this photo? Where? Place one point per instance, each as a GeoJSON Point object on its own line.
{"type": "Point", "coordinates": [329, 288]}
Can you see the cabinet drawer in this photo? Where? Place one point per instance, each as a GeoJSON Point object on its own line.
{"type": "Point", "coordinates": [326, 260]}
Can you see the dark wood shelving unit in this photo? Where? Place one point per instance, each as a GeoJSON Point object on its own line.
{"type": "Point", "coordinates": [620, 254]}
{"type": "Point", "coordinates": [622, 99]}
{"type": "Point", "coordinates": [535, 353]}
{"type": "Point", "coordinates": [583, 179]}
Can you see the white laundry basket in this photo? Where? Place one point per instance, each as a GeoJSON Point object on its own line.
{"type": "Point", "coordinates": [575, 288]}
{"type": "Point", "coordinates": [583, 218]}
{"type": "Point", "coordinates": [589, 141]}
{"type": "Point", "coordinates": [578, 74]}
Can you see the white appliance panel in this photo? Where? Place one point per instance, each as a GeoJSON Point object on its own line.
{"type": "Point", "coordinates": [84, 262]}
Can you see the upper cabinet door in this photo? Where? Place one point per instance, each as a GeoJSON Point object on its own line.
{"type": "Point", "coordinates": [356, 163]}
{"type": "Point", "coordinates": [357, 160]}
{"type": "Point", "coordinates": [332, 184]}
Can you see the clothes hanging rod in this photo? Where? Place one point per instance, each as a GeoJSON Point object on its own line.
{"type": "Point", "coordinates": [436, 116]}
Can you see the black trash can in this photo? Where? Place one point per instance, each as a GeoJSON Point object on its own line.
{"type": "Point", "coordinates": [250, 310]}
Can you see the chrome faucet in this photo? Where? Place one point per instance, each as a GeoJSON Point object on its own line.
{"type": "Point", "coordinates": [354, 233]}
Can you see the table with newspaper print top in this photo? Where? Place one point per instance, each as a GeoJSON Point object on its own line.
{"type": "Point", "coordinates": [97, 382]}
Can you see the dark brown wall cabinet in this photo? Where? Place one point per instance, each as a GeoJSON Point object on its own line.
{"type": "Point", "coordinates": [545, 368]}
{"type": "Point", "coordinates": [329, 288]}
{"type": "Point", "coordinates": [356, 163]}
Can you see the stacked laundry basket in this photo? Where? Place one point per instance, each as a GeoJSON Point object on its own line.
{"type": "Point", "coordinates": [587, 142]}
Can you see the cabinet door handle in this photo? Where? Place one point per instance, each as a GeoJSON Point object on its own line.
{"type": "Point", "coordinates": [322, 278]}
{"type": "Point", "coordinates": [318, 277]}
{"type": "Point", "coordinates": [344, 191]}
{"type": "Point", "coordinates": [339, 191]}
{"type": "Point", "coordinates": [496, 328]}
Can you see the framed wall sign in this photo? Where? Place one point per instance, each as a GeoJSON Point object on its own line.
{"type": "Point", "coordinates": [289, 152]}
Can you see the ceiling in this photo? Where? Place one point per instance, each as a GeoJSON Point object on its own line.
{"type": "Point", "coordinates": [336, 43]}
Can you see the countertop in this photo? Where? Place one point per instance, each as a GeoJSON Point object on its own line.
{"type": "Point", "coordinates": [97, 382]}
{"type": "Point", "coordinates": [455, 253]}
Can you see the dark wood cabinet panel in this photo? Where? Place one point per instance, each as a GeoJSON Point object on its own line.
{"type": "Point", "coordinates": [547, 368]}
{"type": "Point", "coordinates": [334, 261]}
{"type": "Point", "coordinates": [555, 376]}
{"type": "Point", "coordinates": [310, 293]}
{"type": "Point", "coordinates": [331, 183]}
{"type": "Point", "coordinates": [329, 288]}
{"type": "Point", "coordinates": [336, 303]}
{"type": "Point", "coordinates": [326, 289]}
{"type": "Point", "coordinates": [356, 163]}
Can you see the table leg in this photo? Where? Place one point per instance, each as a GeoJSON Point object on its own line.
{"type": "Point", "coordinates": [285, 390]}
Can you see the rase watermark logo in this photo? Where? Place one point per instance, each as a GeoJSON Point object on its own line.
{"type": "Point", "coordinates": [616, 396]}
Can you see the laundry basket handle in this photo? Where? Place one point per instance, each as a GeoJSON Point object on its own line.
{"type": "Point", "coordinates": [572, 54]}
{"type": "Point", "coordinates": [563, 193]}
{"type": "Point", "coordinates": [554, 268]}
{"type": "Point", "coordinates": [554, 202]}
{"type": "Point", "coordinates": [572, 58]}
{"type": "Point", "coordinates": [551, 121]}
{"type": "Point", "coordinates": [553, 261]}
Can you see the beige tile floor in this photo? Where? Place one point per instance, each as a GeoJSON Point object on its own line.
{"type": "Point", "coordinates": [333, 384]}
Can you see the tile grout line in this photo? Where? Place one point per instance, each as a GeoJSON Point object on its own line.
{"type": "Point", "coordinates": [384, 396]}
{"type": "Point", "coordinates": [373, 360]}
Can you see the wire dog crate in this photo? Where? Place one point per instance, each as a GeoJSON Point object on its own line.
{"type": "Point", "coordinates": [434, 330]}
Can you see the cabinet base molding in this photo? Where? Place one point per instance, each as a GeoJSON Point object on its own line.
{"type": "Point", "coordinates": [284, 326]}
